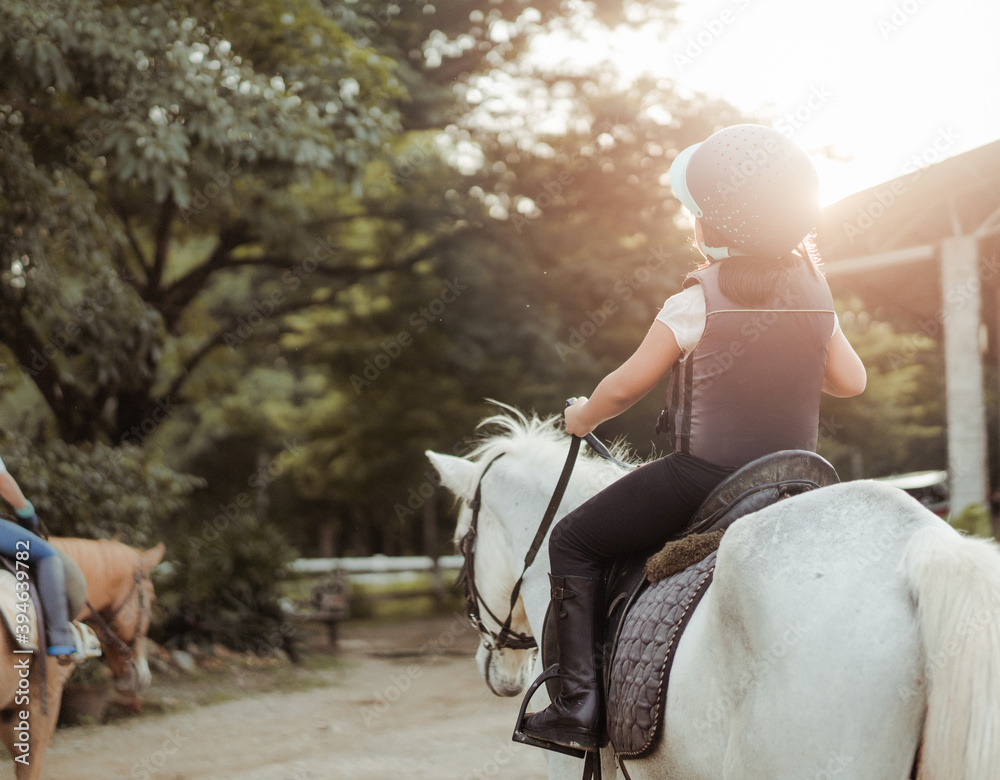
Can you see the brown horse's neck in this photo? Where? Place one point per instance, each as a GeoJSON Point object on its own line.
{"type": "Point", "coordinates": [108, 567]}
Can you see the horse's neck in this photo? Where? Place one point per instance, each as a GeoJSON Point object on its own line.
{"type": "Point", "coordinates": [104, 578]}
{"type": "Point", "coordinates": [521, 516]}
{"type": "Point", "coordinates": [522, 513]}
{"type": "Point", "coordinates": [101, 591]}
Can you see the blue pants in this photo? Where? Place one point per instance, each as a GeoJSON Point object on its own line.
{"type": "Point", "coordinates": [47, 568]}
{"type": "Point", "coordinates": [36, 546]}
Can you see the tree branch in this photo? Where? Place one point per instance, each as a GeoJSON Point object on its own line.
{"type": "Point", "coordinates": [118, 206]}
{"type": "Point", "coordinates": [162, 245]}
{"type": "Point", "coordinates": [74, 412]}
{"type": "Point", "coordinates": [171, 300]}
{"type": "Point", "coordinates": [353, 272]}
{"type": "Point", "coordinates": [229, 329]}
{"type": "Point", "coordinates": [191, 363]}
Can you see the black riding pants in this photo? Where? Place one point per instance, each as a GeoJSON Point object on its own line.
{"type": "Point", "coordinates": [638, 512]}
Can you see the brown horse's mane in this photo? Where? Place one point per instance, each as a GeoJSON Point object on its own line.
{"type": "Point", "coordinates": [104, 563]}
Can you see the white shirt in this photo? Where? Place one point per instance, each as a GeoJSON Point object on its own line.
{"type": "Point", "coordinates": [3, 468]}
{"type": "Point", "coordinates": [684, 313]}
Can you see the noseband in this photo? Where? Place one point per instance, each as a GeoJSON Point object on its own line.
{"type": "Point", "coordinates": [506, 637]}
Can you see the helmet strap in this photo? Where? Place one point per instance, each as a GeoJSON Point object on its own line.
{"type": "Point", "coordinates": [714, 253]}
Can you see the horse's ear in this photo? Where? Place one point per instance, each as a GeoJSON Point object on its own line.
{"type": "Point", "coordinates": [457, 474]}
{"type": "Point", "coordinates": [151, 557]}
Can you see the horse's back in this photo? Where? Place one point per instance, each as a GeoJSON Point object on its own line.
{"type": "Point", "coordinates": [806, 642]}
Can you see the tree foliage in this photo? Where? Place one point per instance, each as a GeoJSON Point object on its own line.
{"type": "Point", "coordinates": [256, 257]}
{"type": "Point", "coordinates": [94, 490]}
{"type": "Point", "coordinates": [897, 425]}
{"type": "Point", "coordinates": [183, 162]}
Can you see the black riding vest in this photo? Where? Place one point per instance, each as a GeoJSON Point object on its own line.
{"type": "Point", "coordinates": [752, 384]}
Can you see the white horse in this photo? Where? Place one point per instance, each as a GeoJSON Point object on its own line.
{"type": "Point", "coordinates": [844, 627]}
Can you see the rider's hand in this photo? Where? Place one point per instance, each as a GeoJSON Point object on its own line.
{"type": "Point", "coordinates": [26, 518]}
{"type": "Point", "coordinates": [32, 523]}
{"type": "Point", "coordinates": [574, 418]}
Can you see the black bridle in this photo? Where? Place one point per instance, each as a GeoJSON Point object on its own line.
{"type": "Point", "coordinates": [103, 622]}
{"type": "Point", "coordinates": [506, 637]}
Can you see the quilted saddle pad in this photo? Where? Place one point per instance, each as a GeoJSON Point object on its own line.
{"type": "Point", "coordinates": [640, 668]}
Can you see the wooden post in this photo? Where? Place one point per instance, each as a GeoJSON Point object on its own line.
{"type": "Point", "coordinates": [327, 533]}
{"type": "Point", "coordinates": [961, 314]}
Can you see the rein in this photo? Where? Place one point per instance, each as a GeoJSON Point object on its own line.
{"type": "Point", "coordinates": [104, 623]}
{"type": "Point", "coordinates": [599, 447]}
{"type": "Point", "coordinates": [506, 637]}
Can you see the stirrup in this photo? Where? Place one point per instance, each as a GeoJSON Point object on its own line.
{"type": "Point", "coordinates": [524, 739]}
{"type": "Point", "coordinates": [88, 645]}
{"type": "Point", "coordinates": [85, 645]}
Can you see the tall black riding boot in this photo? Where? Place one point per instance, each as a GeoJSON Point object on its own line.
{"type": "Point", "coordinates": [574, 719]}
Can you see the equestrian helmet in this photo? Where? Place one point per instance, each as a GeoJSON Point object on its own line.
{"type": "Point", "coordinates": [753, 186]}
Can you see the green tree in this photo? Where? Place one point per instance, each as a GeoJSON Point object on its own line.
{"type": "Point", "coordinates": [897, 424]}
{"type": "Point", "coordinates": [185, 161]}
{"type": "Point", "coordinates": [377, 373]}
{"type": "Point", "coordinates": [287, 246]}
{"type": "Point", "coordinates": [571, 248]}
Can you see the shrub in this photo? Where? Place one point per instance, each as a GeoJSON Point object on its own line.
{"type": "Point", "coordinates": [975, 520]}
{"type": "Point", "coordinates": [224, 588]}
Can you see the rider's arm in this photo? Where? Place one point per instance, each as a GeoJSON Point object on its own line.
{"type": "Point", "coordinates": [845, 373]}
{"type": "Point", "coordinates": [11, 492]}
{"type": "Point", "coordinates": [624, 386]}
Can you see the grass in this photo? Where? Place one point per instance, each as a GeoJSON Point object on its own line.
{"type": "Point", "coordinates": [411, 599]}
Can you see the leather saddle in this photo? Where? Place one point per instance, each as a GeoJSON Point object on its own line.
{"type": "Point", "coordinates": [753, 487]}
{"type": "Point", "coordinates": [76, 593]}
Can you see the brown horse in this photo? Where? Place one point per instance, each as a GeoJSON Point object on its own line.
{"type": "Point", "coordinates": [121, 594]}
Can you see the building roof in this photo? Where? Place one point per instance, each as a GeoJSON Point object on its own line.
{"type": "Point", "coordinates": [926, 204]}
{"type": "Point", "coordinates": [881, 243]}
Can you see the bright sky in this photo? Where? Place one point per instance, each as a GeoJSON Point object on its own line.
{"type": "Point", "coordinates": [890, 84]}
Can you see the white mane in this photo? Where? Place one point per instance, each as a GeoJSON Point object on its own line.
{"type": "Point", "coordinates": [541, 441]}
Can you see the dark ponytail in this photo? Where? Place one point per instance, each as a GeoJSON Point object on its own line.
{"type": "Point", "coordinates": [755, 281]}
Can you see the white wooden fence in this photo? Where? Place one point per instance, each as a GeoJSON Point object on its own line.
{"type": "Point", "coordinates": [379, 569]}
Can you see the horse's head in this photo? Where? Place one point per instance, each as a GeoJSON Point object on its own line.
{"type": "Point", "coordinates": [504, 487]}
{"type": "Point", "coordinates": [490, 574]}
{"type": "Point", "coordinates": [122, 624]}
{"type": "Point", "coordinates": [119, 603]}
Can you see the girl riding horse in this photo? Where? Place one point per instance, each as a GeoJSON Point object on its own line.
{"type": "Point", "coordinates": [752, 339]}
{"type": "Point", "coordinates": [63, 637]}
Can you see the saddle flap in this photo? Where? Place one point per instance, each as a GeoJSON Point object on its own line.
{"type": "Point", "coordinates": [18, 611]}
{"type": "Point", "coordinates": [640, 668]}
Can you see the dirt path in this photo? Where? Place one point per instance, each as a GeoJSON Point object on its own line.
{"type": "Point", "coordinates": [406, 703]}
